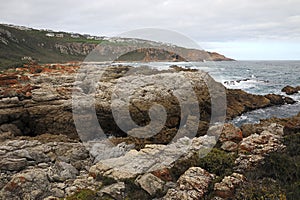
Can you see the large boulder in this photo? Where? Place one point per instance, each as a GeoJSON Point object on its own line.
{"type": "Point", "coordinates": [31, 184]}
{"type": "Point", "coordinates": [151, 184]}
{"type": "Point", "coordinates": [62, 171]}
{"type": "Point", "coordinates": [231, 133]}
{"type": "Point", "coordinates": [226, 188]}
{"type": "Point", "coordinates": [193, 184]}
{"type": "Point", "coordinates": [255, 147]}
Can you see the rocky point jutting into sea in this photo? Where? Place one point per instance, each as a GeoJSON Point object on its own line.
{"type": "Point", "coordinates": [43, 157]}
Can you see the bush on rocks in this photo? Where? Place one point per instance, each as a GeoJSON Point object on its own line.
{"type": "Point", "coordinates": [218, 162]}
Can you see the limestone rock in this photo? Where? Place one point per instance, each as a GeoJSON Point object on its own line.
{"type": "Point", "coordinates": [226, 188]}
{"type": "Point", "coordinates": [31, 184]}
{"type": "Point", "coordinates": [150, 183]}
{"type": "Point", "coordinates": [231, 133]}
{"type": "Point", "coordinates": [292, 125]}
{"type": "Point", "coordinates": [28, 164]}
{"type": "Point", "coordinates": [47, 94]}
{"type": "Point", "coordinates": [229, 146]}
{"type": "Point", "coordinates": [51, 198]}
{"type": "Point", "coordinates": [152, 158]}
{"type": "Point", "coordinates": [248, 129]}
{"type": "Point", "coordinates": [193, 184]}
{"type": "Point", "coordinates": [255, 147]}
{"type": "Point", "coordinates": [52, 165]}
{"type": "Point", "coordinates": [261, 144]}
{"type": "Point", "coordinates": [116, 191]}
{"type": "Point", "coordinates": [6, 136]}
{"type": "Point", "coordinates": [13, 164]}
{"type": "Point", "coordinates": [83, 181]}
{"type": "Point", "coordinates": [103, 150]}
{"type": "Point", "coordinates": [62, 171]}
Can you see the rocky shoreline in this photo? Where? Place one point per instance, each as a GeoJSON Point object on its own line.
{"type": "Point", "coordinates": [43, 157]}
{"type": "Point", "coordinates": [37, 99]}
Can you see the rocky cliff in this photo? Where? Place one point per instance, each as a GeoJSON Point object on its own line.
{"type": "Point", "coordinates": [37, 99]}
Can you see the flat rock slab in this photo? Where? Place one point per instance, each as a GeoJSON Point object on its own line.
{"type": "Point", "coordinates": [151, 158]}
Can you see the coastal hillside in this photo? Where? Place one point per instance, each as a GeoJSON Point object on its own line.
{"type": "Point", "coordinates": [20, 44]}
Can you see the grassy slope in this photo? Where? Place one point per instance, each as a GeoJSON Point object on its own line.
{"type": "Point", "coordinates": [36, 44]}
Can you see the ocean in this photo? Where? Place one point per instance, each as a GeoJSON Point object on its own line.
{"type": "Point", "coordinates": [256, 77]}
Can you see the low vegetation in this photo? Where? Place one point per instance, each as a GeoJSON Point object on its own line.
{"type": "Point", "coordinates": [218, 162]}
{"type": "Point", "coordinates": [83, 194]}
{"type": "Point", "coordinates": [16, 44]}
{"type": "Point", "coordinates": [278, 177]}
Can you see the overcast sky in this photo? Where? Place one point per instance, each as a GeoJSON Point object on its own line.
{"type": "Point", "coordinates": [241, 29]}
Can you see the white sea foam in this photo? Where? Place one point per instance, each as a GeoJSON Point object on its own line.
{"type": "Point", "coordinates": [242, 84]}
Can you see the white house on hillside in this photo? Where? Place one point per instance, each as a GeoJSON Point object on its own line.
{"type": "Point", "coordinates": [50, 34]}
{"type": "Point", "coordinates": [59, 35]}
{"type": "Point", "coordinates": [98, 38]}
{"type": "Point", "coordinates": [75, 36]}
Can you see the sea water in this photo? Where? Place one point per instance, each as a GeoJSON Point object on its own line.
{"type": "Point", "coordinates": [256, 77]}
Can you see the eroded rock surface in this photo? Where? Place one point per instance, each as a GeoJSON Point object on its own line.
{"type": "Point", "coordinates": [40, 100]}
{"type": "Point", "coordinates": [193, 184]}
{"type": "Point", "coordinates": [32, 169]}
{"type": "Point", "coordinates": [58, 169]}
{"type": "Point", "coordinates": [52, 163]}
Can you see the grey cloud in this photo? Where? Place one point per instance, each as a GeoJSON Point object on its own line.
{"type": "Point", "coordinates": [206, 20]}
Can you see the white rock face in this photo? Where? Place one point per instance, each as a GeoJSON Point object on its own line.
{"type": "Point", "coordinates": [227, 186]}
{"type": "Point", "coordinates": [151, 183]}
{"type": "Point", "coordinates": [255, 147]}
{"type": "Point", "coordinates": [151, 158]}
{"type": "Point", "coordinates": [193, 184]}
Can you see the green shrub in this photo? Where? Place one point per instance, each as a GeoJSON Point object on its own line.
{"type": "Point", "coordinates": [261, 190]}
{"type": "Point", "coordinates": [292, 143]}
{"type": "Point", "coordinates": [84, 194]}
{"type": "Point", "coordinates": [218, 162]}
